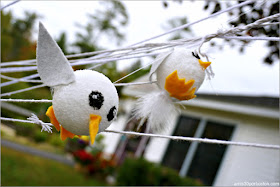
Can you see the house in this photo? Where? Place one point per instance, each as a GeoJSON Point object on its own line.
{"type": "Point", "coordinates": [238, 118]}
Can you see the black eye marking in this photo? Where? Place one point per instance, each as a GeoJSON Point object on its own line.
{"type": "Point", "coordinates": [112, 113]}
{"type": "Point", "coordinates": [195, 55]}
{"type": "Point", "coordinates": [96, 100]}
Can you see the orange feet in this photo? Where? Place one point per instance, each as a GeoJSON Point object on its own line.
{"type": "Point", "coordinates": [63, 132]}
{"type": "Point", "coordinates": [50, 114]}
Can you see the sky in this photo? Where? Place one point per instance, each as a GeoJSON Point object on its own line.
{"type": "Point", "coordinates": [235, 73]}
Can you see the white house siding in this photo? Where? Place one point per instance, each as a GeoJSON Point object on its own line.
{"type": "Point", "coordinates": [244, 164]}
{"type": "Point", "coordinates": [240, 164]}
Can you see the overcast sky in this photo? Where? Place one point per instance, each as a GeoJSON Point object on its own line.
{"type": "Point", "coordinates": [235, 73]}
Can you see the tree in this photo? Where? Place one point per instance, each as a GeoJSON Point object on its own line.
{"type": "Point", "coordinates": [247, 17]}
{"type": "Point", "coordinates": [62, 42]}
{"type": "Point", "coordinates": [176, 22]}
{"type": "Point", "coordinates": [242, 16]}
{"type": "Point", "coordinates": [105, 22]}
{"type": "Point", "coordinates": [16, 42]}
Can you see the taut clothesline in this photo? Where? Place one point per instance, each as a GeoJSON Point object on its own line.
{"type": "Point", "coordinates": [47, 127]}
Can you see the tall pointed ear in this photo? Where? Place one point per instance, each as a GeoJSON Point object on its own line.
{"type": "Point", "coordinates": [53, 67]}
{"type": "Point", "coordinates": [159, 59]}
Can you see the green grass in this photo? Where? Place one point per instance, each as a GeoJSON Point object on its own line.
{"type": "Point", "coordinates": [20, 169]}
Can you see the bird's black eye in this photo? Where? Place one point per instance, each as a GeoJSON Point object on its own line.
{"type": "Point", "coordinates": [112, 113]}
{"type": "Point", "coordinates": [96, 100]}
{"type": "Point", "coordinates": [195, 55]}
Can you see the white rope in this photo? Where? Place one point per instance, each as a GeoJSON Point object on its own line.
{"type": "Point", "coordinates": [133, 52]}
{"type": "Point", "coordinates": [133, 48]}
{"type": "Point", "coordinates": [206, 38]}
{"type": "Point", "coordinates": [200, 140]}
{"type": "Point", "coordinates": [78, 63]}
{"type": "Point", "coordinates": [19, 79]}
{"type": "Point", "coordinates": [34, 120]}
{"type": "Point", "coordinates": [277, 39]}
{"type": "Point", "coordinates": [23, 90]}
{"type": "Point", "coordinates": [47, 127]}
{"type": "Point", "coordinates": [134, 83]}
{"type": "Point", "coordinates": [237, 30]}
{"type": "Point", "coordinates": [125, 56]}
{"type": "Point", "coordinates": [189, 24]}
{"type": "Point", "coordinates": [133, 72]}
{"type": "Point", "coordinates": [43, 85]}
{"type": "Point", "coordinates": [14, 2]}
{"type": "Point", "coordinates": [26, 100]}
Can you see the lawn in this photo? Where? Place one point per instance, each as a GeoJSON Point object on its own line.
{"type": "Point", "coordinates": [21, 169]}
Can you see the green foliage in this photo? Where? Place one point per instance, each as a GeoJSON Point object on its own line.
{"type": "Point", "coordinates": [242, 16]}
{"type": "Point", "coordinates": [176, 22]}
{"type": "Point", "coordinates": [85, 41]}
{"type": "Point", "coordinates": [25, 129]}
{"type": "Point", "coordinates": [110, 19]}
{"type": "Point", "coordinates": [16, 43]}
{"type": "Point", "coordinates": [56, 141]}
{"type": "Point", "coordinates": [99, 144]}
{"type": "Point", "coordinates": [20, 169]}
{"type": "Point", "coordinates": [247, 17]}
{"type": "Point", "coordinates": [110, 70]}
{"type": "Point", "coordinates": [139, 172]}
{"type": "Point", "coordinates": [92, 161]}
{"type": "Point", "coordinates": [74, 144]}
{"type": "Point", "coordinates": [106, 22]}
{"type": "Point", "coordinates": [39, 136]}
{"type": "Point", "coordinates": [62, 42]}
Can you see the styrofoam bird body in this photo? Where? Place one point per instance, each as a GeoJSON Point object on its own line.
{"type": "Point", "coordinates": [186, 65]}
{"type": "Point", "coordinates": [90, 93]}
{"type": "Point", "coordinates": [85, 102]}
{"type": "Point", "coordinates": [180, 72]}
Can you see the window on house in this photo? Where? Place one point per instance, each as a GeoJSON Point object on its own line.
{"type": "Point", "coordinates": [128, 145]}
{"type": "Point", "coordinates": [199, 161]}
{"type": "Point", "coordinates": [185, 127]}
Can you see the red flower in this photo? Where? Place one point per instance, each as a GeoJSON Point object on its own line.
{"type": "Point", "coordinates": [83, 155]}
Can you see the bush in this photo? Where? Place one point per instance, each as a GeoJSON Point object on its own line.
{"type": "Point", "coordinates": [40, 136]}
{"type": "Point", "coordinates": [24, 129]}
{"type": "Point", "coordinates": [56, 141]}
{"type": "Point", "coordinates": [139, 172]}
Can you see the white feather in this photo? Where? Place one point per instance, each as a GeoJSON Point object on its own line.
{"type": "Point", "coordinates": [156, 107]}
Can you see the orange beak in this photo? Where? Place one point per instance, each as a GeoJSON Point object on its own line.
{"type": "Point", "coordinates": [94, 126]}
{"type": "Point", "coordinates": [204, 64]}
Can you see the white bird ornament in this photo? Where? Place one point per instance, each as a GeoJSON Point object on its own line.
{"type": "Point", "coordinates": [85, 102]}
{"type": "Point", "coordinates": [180, 72]}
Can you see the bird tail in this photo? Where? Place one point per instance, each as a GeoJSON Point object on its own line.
{"type": "Point", "coordinates": [157, 107]}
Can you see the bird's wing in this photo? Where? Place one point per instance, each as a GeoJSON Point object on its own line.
{"type": "Point", "coordinates": [160, 58]}
{"type": "Point", "coordinates": [53, 67]}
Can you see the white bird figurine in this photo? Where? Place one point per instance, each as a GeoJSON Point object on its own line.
{"type": "Point", "coordinates": [85, 102]}
{"type": "Point", "coordinates": [180, 73]}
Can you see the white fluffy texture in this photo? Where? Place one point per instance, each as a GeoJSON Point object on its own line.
{"type": "Point", "coordinates": [186, 65]}
{"type": "Point", "coordinates": [156, 107]}
{"type": "Point", "coordinates": [71, 102]}
{"type": "Point", "coordinates": [53, 67]}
